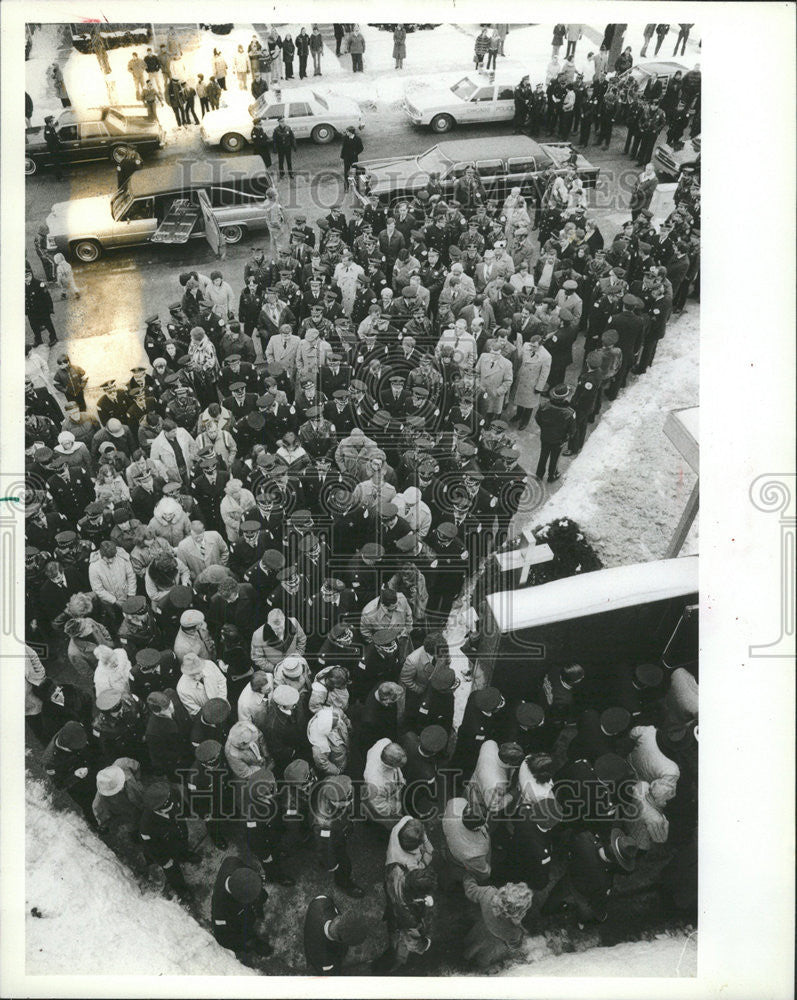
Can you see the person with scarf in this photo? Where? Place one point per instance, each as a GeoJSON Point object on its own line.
{"type": "Point", "coordinates": [246, 750]}
{"type": "Point", "coordinates": [280, 636]}
{"type": "Point", "coordinates": [193, 637]}
{"type": "Point", "coordinates": [204, 365]}
{"type": "Point", "coordinates": [408, 914]}
{"type": "Point", "coordinates": [329, 733]}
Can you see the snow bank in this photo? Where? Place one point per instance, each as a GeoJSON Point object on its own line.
{"type": "Point", "coordinates": [628, 487]}
{"type": "Point", "coordinates": [668, 955]}
{"type": "Point", "coordinates": [95, 920]}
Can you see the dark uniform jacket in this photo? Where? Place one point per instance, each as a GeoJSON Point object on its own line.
{"type": "Point", "coordinates": [324, 957]}
{"type": "Point", "coordinates": [233, 923]}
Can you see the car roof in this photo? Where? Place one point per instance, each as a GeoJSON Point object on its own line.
{"type": "Point", "coordinates": [661, 68]}
{"type": "Point", "coordinates": [474, 149]}
{"type": "Point", "coordinates": [173, 176]}
{"type": "Point", "coordinates": [74, 116]}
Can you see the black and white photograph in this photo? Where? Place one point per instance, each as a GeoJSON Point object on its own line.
{"type": "Point", "coordinates": [361, 603]}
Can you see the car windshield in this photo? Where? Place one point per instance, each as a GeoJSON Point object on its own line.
{"type": "Point", "coordinates": [114, 119]}
{"type": "Point", "coordinates": [320, 100]}
{"type": "Point", "coordinates": [464, 88]}
{"type": "Point", "coordinates": [433, 160]}
{"type": "Point", "coordinates": [120, 203]}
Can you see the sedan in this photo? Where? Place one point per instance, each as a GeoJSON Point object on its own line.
{"type": "Point", "coordinates": [518, 162]}
{"type": "Point", "coordinates": [94, 134]}
{"type": "Point", "coordinates": [477, 97]}
{"type": "Point", "coordinates": [310, 115]}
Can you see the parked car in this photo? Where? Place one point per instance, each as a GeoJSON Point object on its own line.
{"type": "Point", "coordinates": [668, 161]}
{"type": "Point", "coordinates": [94, 134]}
{"type": "Point", "coordinates": [477, 97]}
{"type": "Point", "coordinates": [522, 162]}
{"type": "Point", "coordinates": [310, 115]}
{"type": "Point", "coordinates": [659, 70]}
{"type": "Point", "coordinates": [165, 204]}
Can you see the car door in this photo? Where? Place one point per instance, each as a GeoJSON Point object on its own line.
{"type": "Point", "coordinates": [69, 142]}
{"type": "Point", "coordinates": [520, 173]}
{"type": "Point", "coordinates": [479, 107]}
{"type": "Point", "coordinates": [301, 119]}
{"type": "Point", "coordinates": [93, 140]}
{"type": "Point", "coordinates": [493, 177]}
{"type": "Point", "coordinates": [505, 103]}
{"type": "Point", "coordinates": [136, 226]}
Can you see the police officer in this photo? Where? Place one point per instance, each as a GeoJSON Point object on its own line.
{"type": "Point", "coordinates": [483, 719]}
{"type": "Point", "coordinates": [139, 629]}
{"type": "Point", "coordinates": [555, 422]}
{"type": "Point", "coordinates": [71, 765]}
{"type": "Point", "coordinates": [328, 935]}
{"type": "Point", "coordinates": [584, 401]}
{"type": "Point", "coordinates": [207, 792]}
{"type": "Point", "coordinates": [164, 836]}
{"type": "Point", "coordinates": [262, 824]}
{"type": "Point", "coordinates": [118, 725]}
{"type": "Point", "coordinates": [425, 757]}
{"type": "Point", "coordinates": [331, 803]}
{"type": "Point", "coordinates": [236, 906]}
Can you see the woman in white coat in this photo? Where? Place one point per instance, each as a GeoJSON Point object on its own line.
{"type": "Point", "coordinates": [235, 501]}
{"type": "Point", "coordinates": [530, 379]}
{"type": "Point", "coordinates": [113, 671]}
{"type": "Point", "coordinates": [220, 295]}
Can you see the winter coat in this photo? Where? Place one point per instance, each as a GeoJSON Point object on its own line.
{"type": "Point", "coordinates": [400, 43]}
{"type": "Point", "coordinates": [531, 376]}
{"type": "Point", "coordinates": [194, 692]}
{"type": "Point", "coordinates": [169, 521]}
{"type": "Point", "coordinates": [126, 805]}
{"type": "Point", "coordinates": [114, 583]}
{"type": "Point", "coordinates": [495, 379]}
{"type": "Point", "coordinates": [221, 299]}
{"type": "Point", "coordinates": [493, 937]}
{"type": "Point", "coordinates": [680, 704]}
{"type": "Point", "coordinates": [162, 452]}
{"type": "Point", "coordinates": [648, 824]}
{"type": "Point", "coordinates": [216, 553]}
{"type": "Point", "coordinates": [355, 44]}
{"type": "Point", "coordinates": [34, 678]}
{"type": "Point", "coordinates": [113, 673]}
{"type": "Point", "coordinates": [329, 732]}
{"type": "Point", "coordinates": [469, 851]}
{"type": "Point", "coordinates": [322, 696]}
{"type": "Point", "coordinates": [421, 857]}
{"type": "Point", "coordinates": [246, 751]}
{"type": "Point", "coordinates": [197, 641]}
{"type": "Point", "coordinates": [267, 650]}
{"type": "Point", "coordinates": [555, 423]}
{"type": "Point", "coordinates": [648, 761]}
{"type": "Point", "coordinates": [384, 787]}
{"type": "Point", "coordinates": [252, 706]}
{"type": "Point", "coordinates": [488, 786]}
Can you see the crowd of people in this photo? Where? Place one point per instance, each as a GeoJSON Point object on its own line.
{"type": "Point", "coordinates": [242, 558]}
{"type": "Point", "coordinates": [569, 105]}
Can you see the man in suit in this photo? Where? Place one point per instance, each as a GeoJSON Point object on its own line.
{"type": "Point", "coordinates": [281, 349]}
{"type": "Point", "coordinates": [201, 549]}
{"type": "Point", "coordinates": [208, 490]}
{"type": "Point", "coordinates": [390, 242]}
{"type": "Point", "coordinates": [273, 315]}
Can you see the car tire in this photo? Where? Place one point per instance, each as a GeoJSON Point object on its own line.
{"type": "Point", "coordinates": [86, 251]}
{"type": "Point", "coordinates": [441, 123]}
{"type": "Point", "coordinates": [232, 234]}
{"type": "Point", "coordinates": [120, 151]}
{"type": "Point", "coordinates": [31, 166]}
{"type": "Point", "coordinates": [232, 142]}
{"type": "Point", "coordinates": [322, 135]}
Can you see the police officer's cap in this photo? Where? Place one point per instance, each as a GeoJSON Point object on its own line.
{"type": "Point", "coordinates": [215, 712]}
{"type": "Point", "coordinates": [181, 597]}
{"type": "Point", "coordinates": [172, 378]}
{"type": "Point", "coordinates": [615, 720]}
{"type": "Point", "coordinates": [385, 636]}
{"type": "Point", "coordinates": [134, 605]}
{"type": "Point", "coordinates": [623, 849]}
{"type": "Point", "coordinates": [433, 739]}
{"type": "Point", "coordinates": [287, 573]}
{"type": "Point", "coordinates": [414, 422]}
{"type": "Point", "coordinates": [487, 699]}
{"type": "Point", "coordinates": [529, 715]}
{"type": "Point", "coordinates": [648, 675]}
{"type": "Point", "coordinates": [447, 530]}
{"type": "Point", "coordinates": [632, 302]}
{"type": "Point", "coordinates": [256, 421]}
{"type": "Point", "coordinates": [155, 318]}
{"type": "Point", "coordinates": [466, 449]}
{"type": "Point", "coordinates": [108, 700]}
{"type": "Point", "coordinates": [157, 795]}
{"type": "Point", "coordinates": [510, 454]}
{"type": "Point", "coordinates": [444, 679]}
{"type": "Point", "coordinates": [387, 509]}
{"type": "Point", "coordinates": [381, 419]}
{"type": "Point", "coordinates": [341, 631]}
{"type": "Point", "coordinates": [314, 411]}
{"type": "Point", "coordinates": [340, 394]}
{"type": "Point", "coordinates": [358, 385]}
{"type": "Point", "coordinates": [238, 387]}
{"type": "Point", "coordinates": [499, 426]}
{"type": "Point", "coordinates": [207, 751]}
{"type": "Point", "coordinates": [231, 358]}
{"type": "Point", "coordinates": [421, 391]}
{"type": "Point", "coordinates": [250, 526]}
{"type": "Point", "coordinates": [302, 520]}
{"type": "Point", "coordinates": [72, 736]}
{"type": "Point", "coordinates": [397, 378]}
{"type": "Point", "coordinates": [273, 559]}
{"type": "Point", "coordinates": [148, 658]}
{"type": "Point", "coordinates": [244, 885]}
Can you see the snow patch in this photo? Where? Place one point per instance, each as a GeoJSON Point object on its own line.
{"type": "Point", "coordinates": [95, 920]}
